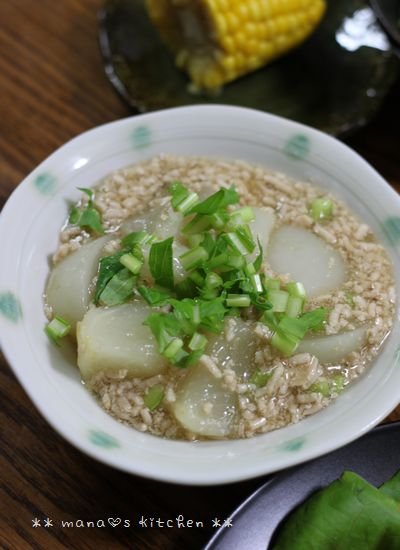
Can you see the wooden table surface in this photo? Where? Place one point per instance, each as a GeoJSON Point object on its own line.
{"type": "Point", "coordinates": [52, 87]}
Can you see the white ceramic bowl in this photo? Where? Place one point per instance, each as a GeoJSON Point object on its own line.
{"type": "Point", "coordinates": [29, 227]}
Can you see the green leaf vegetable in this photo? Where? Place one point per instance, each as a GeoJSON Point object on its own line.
{"type": "Point", "coordinates": [89, 218]}
{"type": "Point", "coordinates": [349, 513]}
{"type": "Point", "coordinates": [160, 262]}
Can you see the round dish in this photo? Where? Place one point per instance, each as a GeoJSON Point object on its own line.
{"type": "Point", "coordinates": [335, 81]}
{"type": "Point", "coordinates": [53, 384]}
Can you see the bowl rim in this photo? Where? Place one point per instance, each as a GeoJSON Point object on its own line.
{"type": "Point", "coordinates": [231, 474]}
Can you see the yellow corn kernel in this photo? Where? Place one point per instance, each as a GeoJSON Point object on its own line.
{"type": "Point", "coordinates": [216, 41]}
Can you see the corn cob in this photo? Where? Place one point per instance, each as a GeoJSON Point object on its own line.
{"type": "Point", "coordinates": [217, 41]}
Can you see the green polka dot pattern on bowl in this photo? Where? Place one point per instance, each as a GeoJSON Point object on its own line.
{"type": "Point", "coordinates": [293, 445]}
{"type": "Point", "coordinates": [101, 439]}
{"type": "Point", "coordinates": [45, 183]}
{"type": "Point", "coordinates": [10, 307]}
{"type": "Point", "coordinates": [297, 146]}
{"type": "Point", "coordinates": [141, 137]}
{"type": "Point", "coordinates": [391, 227]}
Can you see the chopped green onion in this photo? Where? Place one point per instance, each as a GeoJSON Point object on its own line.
{"type": "Point", "coordinates": [272, 284]}
{"type": "Point", "coordinates": [238, 300]}
{"type": "Point", "coordinates": [186, 288]}
{"type": "Point", "coordinates": [217, 201]}
{"type": "Point", "coordinates": [349, 299]}
{"type": "Point", "coordinates": [294, 306]}
{"type": "Point", "coordinates": [154, 396]}
{"type": "Point", "coordinates": [193, 258]}
{"type": "Point", "coordinates": [338, 383]}
{"type": "Point", "coordinates": [209, 293]}
{"type": "Point", "coordinates": [255, 281]}
{"type": "Point", "coordinates": [242, 216]}
{"type": "Point", "coordinates": [218, 220]}
{"type": "Point", "coordinates": [160, 263]}
{"type": "Point", "coordinates": [218, 261]}
{"type": "Point", "coordinates": [119, 288]}
{"type": "Point", "coordinates": [57, 328]}
{"type": "Point", "coordinates": [197, 342]}
{"type": "Point", "coordinates": [249, 269]}
{"type": "Point", "coordinates": [136, 237]}
{"type": "Point", "coordinates": [88, 218]}
{"type": "Point", "coordinates": [182, 199]}
{"type": "Point", "coordinates": [195, 240]}
{"type": "Point", "coordinates": [173, 348]}
{"type": "Point", "coordinates": [285, 343]}
{"type": "Point", "coordinates": [260, 302]}
{"type": "Point", "coordinates": [74, 216]}
{"type": "Point", "coordinates": [188, 203]}
{"type": "Point", "coordinates": [235, 261]}
{"type": "Point", "coordinates": [198, 224]}
{"type": "Point", "coordinates": [131, 262]}
{"type": "Point", "coordinates": [297, 290]}
{"type": "Point", "coordinates": [196, 317]}
{"type": "Point", "coordinates": [213, 280]}
{"type": "Point", "coordinates": [260, 378]}
{"type": "Point", "coordinates": [321, 387]}
{"type": "Point", "coordinates": [269, 318]}
{"type": "Point", "coordinates": [279, 300]}
{"type": "Point", "coordinates": [236, 243]}
{"type": "Point", "coordinates": [108, 267]}
{"type": "Point", "coordinates": [197, 278]}
{"type": "Point", "coordinates": [245, 235]}
{"type": "Point", "coordinates": [154, 297]}
{"type": "Point", "coordinates": [259, 260]}
{"type": "Point", "coordinates": [321, 209]}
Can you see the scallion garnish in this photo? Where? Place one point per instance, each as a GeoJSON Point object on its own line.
{"type": "Point", "coordinates": [194, 258]}
{"type": "Point", "coordinates": [321, 209]}
{"type": "Point", "coordinates": [213, 280]}
{"type": "Point", "coordinates": [260, 378]}
{"type": "Point", "coordinates": [197, 342]}
{"type": "Point", "coordinates": [221, 280]}
{"type": "Point", "coordinates": [238, 300]}
{"type": "Point", "coordinates": [57, 329]}
{"type": "Point", "coordinates": [240, 217]}
{"type": "Point", "coordinates": [278, 299]}
{"type": "Point", "coordinates": [136, 238]}
{"type": "Point", "coordinates": [119, 288]}
{"type": "Point", "coordinates": [89, 217]}
{"type": "Point", "coordinates": [294, 306]}
{"type": "Point", "coordinates": [236, 243]}
{"type": "Point", "coordinates": [131, 262]}
{"type": "Point", "coordinates": [160, 263]}
{"type": "Point", "coordinates": [297, 290]}
{"type": "Point", "coordinates": [195, 240]}
{"type": "Point", "coordinates": [272, 284]}
{"type": "Point", "coordinates": [198, 224]}
{"type": "Point", "coordinates": [154, 396]}
{"type": "Point", "coordinates": [219, 200]}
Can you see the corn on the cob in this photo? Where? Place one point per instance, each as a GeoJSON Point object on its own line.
{"type": "Point", "coordinates": [217, 41]}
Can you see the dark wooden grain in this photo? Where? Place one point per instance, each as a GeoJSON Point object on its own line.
{"type": "Point", "coordinates": [52, 87]}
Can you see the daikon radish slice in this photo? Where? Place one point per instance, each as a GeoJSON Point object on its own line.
{"type": "Point", "coordinates": [307, 259]}
{"type": "Point", "coordinates": [111, 339]}
{"type": "Point", "coordinates": [333, 348]}
{"type": "Point", "coordinates": [235, 347]}
{"type": "Point", "coordinates": [69, 286]}
{"type": "Point", "coordinates": [202, 405]}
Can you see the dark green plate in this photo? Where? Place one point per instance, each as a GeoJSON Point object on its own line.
{"type": "Point", "coordinates": [335, 81]}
